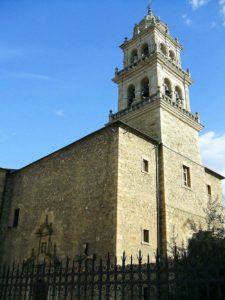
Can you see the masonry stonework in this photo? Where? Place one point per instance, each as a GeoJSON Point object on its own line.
{"type": "Point", "coordinates": [2, 183]}
{"type": "Point", "coordinates": [123, 187]}
{"type": "Point", "coordinates": [76, 189]}
{"type": "Point", "coordinates": [136, 202]}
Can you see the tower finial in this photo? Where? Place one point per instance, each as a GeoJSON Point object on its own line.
{"type": "Point", "coordinates": [150, 8]}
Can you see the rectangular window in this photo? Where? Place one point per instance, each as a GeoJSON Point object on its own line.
{"type": "Point", "coordinates": [146, 236]}
{"type": "Point", "coordinates": [186, 176]}
{"type": "Point", "coordinates": [209, 190]}
{"type": "Point", "coordinates": [43, 247]}
{"type": "Point", "coordinates": [16, 217]}
{"type": "Point", "coordinates": [145, 165]}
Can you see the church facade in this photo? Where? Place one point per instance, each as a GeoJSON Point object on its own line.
{"type": "Point", "coordinates": [136, 184]}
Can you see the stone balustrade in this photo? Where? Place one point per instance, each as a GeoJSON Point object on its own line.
{"type": "Point", "coordinates": [150, 101]}
{"type": "Point", "coordinates": [147, 57]}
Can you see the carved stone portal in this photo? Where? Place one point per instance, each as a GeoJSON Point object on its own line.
{"type": "Point", "coordinates": [45, 250]}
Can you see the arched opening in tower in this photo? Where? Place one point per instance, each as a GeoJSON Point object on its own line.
{"type": "Point", "coordinates": [134, 56]}
{"type": "Point", "coordinates": [131, 95]}
{"type": "Point", "coordinates": [145, 50]}
{"type": "Point", "coordinates": [145, 88]}
{"type": "Point", "coordinates": [168, 88]}
{"type": "Point", "coordinates": [163, 49]}
{"type": "Point", "coordinates": [172, 55]}
{"type": "Point", "coordinates": [178, 95]}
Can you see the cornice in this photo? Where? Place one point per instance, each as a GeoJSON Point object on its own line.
{"type": "Point", "coordinates": [148, 61]}
{"type": "Point", "coordinates": [146, 31]}
{"type": "Point", "coordinates": [157, 103]}
{"type": "Point", "coordinates": [178, 112]}
{"type": "Point", "coordinates": [136, 38]}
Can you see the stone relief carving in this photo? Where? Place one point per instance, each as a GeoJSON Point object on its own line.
{"type": "Point", "coordinates": [45, 250]}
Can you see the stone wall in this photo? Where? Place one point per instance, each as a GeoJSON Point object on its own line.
{"type": "Point", "coordinates": [184, 205]}
{"type": "Point", "coordinates": [216, 187]}
{"type": "Point", "coordinates": [146, 119]}
{"type": "Point", "coordinates": [181, 147]}
{"type": "Point", "coordinates": [180, 136]}
{"type": "Point", "coordinates": [137, 209]}
{"type": "Point", "coordinates": [76, 189]}
{"type": "Point", "coordinates": [2, 186]}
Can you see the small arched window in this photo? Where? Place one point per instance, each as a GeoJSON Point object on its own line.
{"type": "Point", "coordinates": [145, 50]}
{"type": "Point", "coordinates": [131, 95]}
{"type": "Point", "coordinates": [134, 56]}
{"type": "Point", "coordinates": [172, 55]}
{"type": "Point", "coordinates": [145, 88]}
{"type": "Point", "coordinates": [163, 49]}
{"type": "Point", "coordinates": [168, 88]}
{"type": "Point", "coordinates": [178, 95]}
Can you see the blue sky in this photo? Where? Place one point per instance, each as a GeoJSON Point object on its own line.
{"type": "Point", "coordinates": [57, 59]}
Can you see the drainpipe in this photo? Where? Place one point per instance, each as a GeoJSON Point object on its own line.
{"type": "Point", "coordinates": [161, 206]}
{"type": "Point", "coordinates": [157, 197]}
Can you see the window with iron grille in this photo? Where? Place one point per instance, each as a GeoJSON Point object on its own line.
{"type": "Point", "coordinates": [186, 176]}
{"type": "Point", "coordinates": [16, 217]}
{"type": "Point", "coordinates": [145, 165]}
{"type": "Point", "coordinates": [146, 236]}
{"type": "Point", "coordinates": [209, 190]}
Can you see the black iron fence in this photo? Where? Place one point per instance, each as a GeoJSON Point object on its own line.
{"type": "Point", "coordinates": [124, 279]}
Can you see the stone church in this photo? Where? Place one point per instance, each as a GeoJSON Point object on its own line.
{"type": "Point", "coordinates": [135, 184]}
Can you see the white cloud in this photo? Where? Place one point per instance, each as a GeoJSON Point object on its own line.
{"type": "Point", "coordinates": [222, 10]}
{"type": "Point", "coordinates": [59, 113]}
{"type": "Point", "coordinates": [187, 20]}
{"type": "Point", "coordinates": [198, 3]}
{"type": "Point", "coordinates": [6, 53]}
{"type": "Point", "coordinates": [12, 53]}
{"type": "Point", "coordinates": [25, 76]}
{"type": "Point", "coordinates": [32, 76]}
{"type": "Point", "coordinates": [213, 152]}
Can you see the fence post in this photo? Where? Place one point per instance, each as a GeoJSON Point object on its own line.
{"type": "Point", "coordinates": [123, 275]}
{"type": "Point", "coordinates": [26, 281]}
{"type": "Point", "coordinates": [131, 278]}
{"type": "Point", "coordinates": [166, 267]}
{"type": "Point", "coordinates": [72, 280]}
{"type": "Point", "coordinates": [158, 275]}
{"type": "Point", "coordinates": [115, 278]}
{"type": "Point", "coordinates": [149, 277]}
{"type": "Point", "coordinates": [66, 278]}
{"type": "Point", "coordinates": [85, 278]}
{"type": "Point", "coordinates": [79, 278]}
{"type": "Point", "coordinates": [48, 278]}
{"type": "Point", "coordinates": [92, 278]}
{"type": "Point", "coordinates": [11, 281]}
{"type": "Point", "coordinates": [108, 278]}
{"type": "Point", "coordinates": [100, 280]}
{"type": "Point", "coordinates": [140, 283]}
{"type": "Point", "coordinates": [32, 280]}
{"type": "Point", "coordinates": [1, 281]}
{"type": "Point", "coordinates": [16, 282]}
{"type": "Point", "coordinates": [176, 272]}
{"type": "Point", "coordinates": [6, 283]}
{"type": "Point", "coordinates": [186, 277]}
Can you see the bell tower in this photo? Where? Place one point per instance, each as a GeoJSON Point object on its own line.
{"type": "Point", "coordinates": [152, 60]}
{"type": "Point", "coordinates": [153, 88]}
{"type": "Point", "coordinates": [154, 98]}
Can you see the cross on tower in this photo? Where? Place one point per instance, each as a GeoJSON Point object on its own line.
{"type": "Point", "coordinates": [150, 7]}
